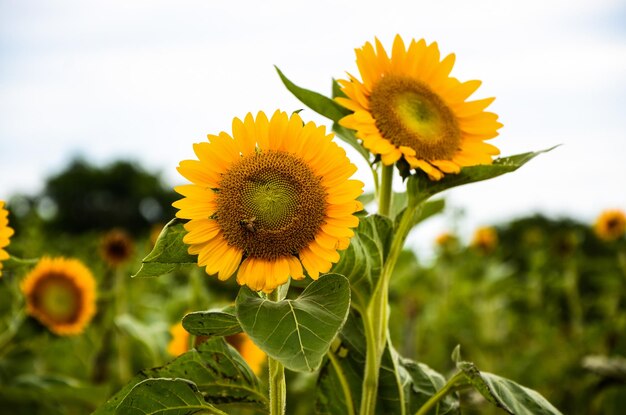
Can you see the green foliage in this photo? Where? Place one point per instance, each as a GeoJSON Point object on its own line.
{"type": "Point", "coordinates": [51, 389]}
{"type": "Point", "coordinates": [473, 174]}
{"type": "Point", "coordinates": [504, 393]}
{"type": "Point", "coordinates": [169, 252]}
{"type": "Point", "coordinates": [15, 264]}
{"type": "Point", "coordinates": [165, 397]}
{"type": "Point", "coordinates": [212, 323]}
{"type": "Point", "coordinates": [362, 262]}
{"type": "Point", "coordinates": [297, 333]}
{"type": "Point", "coordinates": [148, 335]}
{"type": "Point", "coordinates": [339, 382]}
{"type": "Point", "coordinates": [328, 108]}
{"type": "Point", "coordinates": [218, 373]}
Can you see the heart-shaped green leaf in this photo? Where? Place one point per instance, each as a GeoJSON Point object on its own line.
{"type": "Point", "coordinates": [169, 252]}
{"type": "Point", "coordinates": [297, 332]}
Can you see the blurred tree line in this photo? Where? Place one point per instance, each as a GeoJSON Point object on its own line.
{"type": "Point", "coordinates": [85, 197]}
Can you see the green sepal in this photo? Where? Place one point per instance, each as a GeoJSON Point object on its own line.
{"type": "Point", "coordinates": [297, 333]}
{"type": "Point", "coordinates": [169, 252]}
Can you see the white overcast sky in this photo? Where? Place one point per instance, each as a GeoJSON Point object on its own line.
{"type": "Point", "coordinates": [143, 80]}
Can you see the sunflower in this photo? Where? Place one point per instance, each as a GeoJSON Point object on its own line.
{"type": "Point", "coordinates": [181, 343]}
{"type": "Point", "coordinates": [485, 239]}
{"type": "Point", "coordinates": [408, 107]}
{"type": "Point", "coordinates": [446, 241]}
{"type": "Point", "coordinates": [61, 294]}
{"type": "Point", "coordinates": [610, 225]}
{"type": "Point", "coordinates": [269, 201]}
{"type": "Point", "coordinates": [5, 233]}
{"type": "Point", "coordinates": [116, 247]}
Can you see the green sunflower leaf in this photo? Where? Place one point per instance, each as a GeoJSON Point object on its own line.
{"type": "Point", "coordinates": [212, 323]}
{"type": "Point", "coordinates": [219, 372]}
{"type": "Point", "coordinates": [164, 396]}
{"type": "Point", "coordinates": [326, 107]}
{"type": "Point", "coordinates": [362, 261]}
{"type": "Point", "coordinates": [314, 100]}
{"type": "Point", "coordinates": [506, 394]}
{"type": "Point", "coordinates": [426, 188]}
{"type": "Point", "coordinates": [339, 384]}
{"type": "Point", "coordinates": [169, 252]}
{"type": "Point", "coordinates": [297, 333]}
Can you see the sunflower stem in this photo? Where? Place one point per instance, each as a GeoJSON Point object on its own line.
{"type": "Point", "coordinates": [278, 387]}
{"type": "Point", "coordinates": [441, 393]}
{"type": "Point", "coordinates": [385, 191]}
{"type": "Point", "coordinates": [376, 316]}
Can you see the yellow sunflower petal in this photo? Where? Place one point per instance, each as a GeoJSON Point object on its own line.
{"type": "Point", "coordinates": [295, 268]}
{"type": "Point", "coordinates": [230, 262]}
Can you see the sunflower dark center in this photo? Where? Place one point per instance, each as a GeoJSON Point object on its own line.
{"type": "Point", "coordinates": [613, 224]}
{"type": "Point", "coordinates": [270, 204]}
{"type": "Point", "coordinates": [58, 298]}
{"type": "Point", "coordinates": [117, 250]}
{"type": "Point", "coordinates": [408, 113]}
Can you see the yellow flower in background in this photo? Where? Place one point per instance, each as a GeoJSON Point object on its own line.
{"type": "Point", "coordinates": [250, 352]}
{"type": "Point", "coordinates": [116, 247]}
{"type": "Point", "coordinates": [610, 225]}
{"type": "Point", "coordinates": [254, 357]}
{"type": "Point", "coordinates": [179, 343]}
{"type": "Point", "coordinates": [485, 239]}
{"type": "Point", "coordinates": [61, 294]}
{"type": "Point", "coordinates": [445, 238]}
{"type": "Point", "coordinates": [447, 241]}
{"type": "Point", "coordinates": [408, 106]}
{"type": "Point", "coordinates": [272, 199]}
{"type": "Point", "coordinates": [5, 234]}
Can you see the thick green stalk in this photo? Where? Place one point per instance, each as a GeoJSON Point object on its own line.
{"type": "Point", "coordinates": [278, 387]}
{"type": "Point", "coordinates": [375, 321]}
{"type": "Point", "coordinates": [441, 393]}
{"type": "Point", "coordinates": [385, 191]}
{"type": "Point", "coordinates": [376, 316]}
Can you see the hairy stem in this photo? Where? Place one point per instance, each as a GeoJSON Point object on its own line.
{"type": "Point", "coordinates": [278, 387]}
{"type": "Point", "coordinates": [385, 191]}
